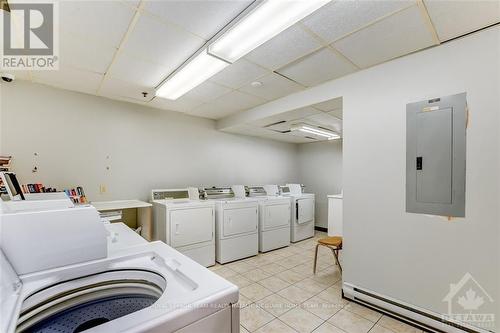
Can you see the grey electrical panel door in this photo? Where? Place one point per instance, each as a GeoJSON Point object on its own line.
{"type": "Point", "coordinates": [435, 156]}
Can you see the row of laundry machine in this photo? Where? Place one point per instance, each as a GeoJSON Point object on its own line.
{"type": "Point", "coordinates": [228, 223]}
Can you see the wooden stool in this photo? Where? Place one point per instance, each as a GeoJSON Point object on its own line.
{"type": "Point", "coordinates": [334, 243]}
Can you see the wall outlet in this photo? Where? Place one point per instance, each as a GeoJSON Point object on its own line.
{"type": "Point", "coordinates": [102, 188]}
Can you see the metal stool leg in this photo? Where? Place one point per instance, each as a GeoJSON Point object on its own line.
{"type": "Point", "coordinates": [336, 256]}
{"type": "Point", "coordinates": [315, 258]}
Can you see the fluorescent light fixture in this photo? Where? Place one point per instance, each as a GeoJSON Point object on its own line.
{"type": "Point", "coordinates": [196, 71]}
{"type": "Point", "coordinates": [263, 23]}
{"type": "Point", "coordinates": [316, 131]}
{"type": "Point", "coordinates": [313, 132]}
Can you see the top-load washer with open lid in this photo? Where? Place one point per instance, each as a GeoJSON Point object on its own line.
{"type": "Point", "coordinates": [58, 276]}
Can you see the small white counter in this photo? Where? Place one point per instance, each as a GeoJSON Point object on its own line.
{"type": "Point", "coordinates": [139, 214]}
{"type": "Point", "coordinates": [335, 220]}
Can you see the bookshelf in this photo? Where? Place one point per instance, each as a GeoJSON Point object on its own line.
{"type": "Point", "coordinates": [4, 167]}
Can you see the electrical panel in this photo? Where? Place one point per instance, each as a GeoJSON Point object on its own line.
{"type": "Point", "coordinates": [436, 156]}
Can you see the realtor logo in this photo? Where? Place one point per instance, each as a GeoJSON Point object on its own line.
{"type": "Point", "coordinates": [468, 302]}
{"type": "Point", "coordinates": [29, 39]}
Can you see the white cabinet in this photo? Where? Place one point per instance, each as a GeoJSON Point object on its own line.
{"type": "Point", "coordinates": [335, 220]}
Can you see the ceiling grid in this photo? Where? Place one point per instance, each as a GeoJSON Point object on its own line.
{"type": "Point", "coordinates": [132, 56]}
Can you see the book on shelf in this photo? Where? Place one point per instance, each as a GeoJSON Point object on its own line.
{"type": "Point", "coordinates": [4, 167]}
{"type": "Point", "coordinates": [5, 160]}
{"type": "Point", "coordinates": [5, 163]}
{"type": "Point", "coordinates": [77, 194]}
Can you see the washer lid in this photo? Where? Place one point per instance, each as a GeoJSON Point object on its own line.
{"type": "Point", "coordinates": [10, 289]}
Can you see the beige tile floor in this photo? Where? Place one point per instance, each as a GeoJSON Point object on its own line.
{"type": "Point", "coordinates": [279, 293]}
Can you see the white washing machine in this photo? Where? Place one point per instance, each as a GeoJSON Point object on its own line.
{"type": "Point", "coordinates": [274, 219]}
{"type": "Point", "coordinates": [65, 281]}
{"type": "Point", "coordinates": [185, 222]}
{"type": "Point", "coordinates": [236, 224]}
{"type": "Point", "coordinates": [302, 225]}
{"type": "Point", "coordinates": [120, 236]}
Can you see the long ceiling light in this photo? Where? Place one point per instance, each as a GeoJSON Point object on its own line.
{"type": "Point", "coordinates": [264, 22]}
{"type": "Point", "coordinates": [196, 71]}
{"type": "Point", "coordinates": [316, 131]}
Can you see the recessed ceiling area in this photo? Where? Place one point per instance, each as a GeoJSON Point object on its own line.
{"type": "Point", "coordinates": [120, 49]}
{"type": "Point", "coordinates": [325, 116]}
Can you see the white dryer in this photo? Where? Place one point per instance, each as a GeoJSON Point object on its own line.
{"type": "Point", "coordinates": [60, 284]}
{"type": "Point", "coordinates": [274, 219]}
{"type": "Point", "coordinates": [302, 226]}
{"type": "Point", "coordinates": [186, 223]}
{"type": "Point", "coordinates": [236, 224]}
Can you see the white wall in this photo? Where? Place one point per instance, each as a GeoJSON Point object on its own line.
{"type": "Point", "coordinates": [410, 257]}
{"type": "Point", "coordinates": [320, 169]}
{"type": "Point", "coordinates": [73, 134]}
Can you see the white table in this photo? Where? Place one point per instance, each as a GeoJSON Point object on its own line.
{"type": "Point", "coordinates": [143, 214]}
{"type": "Point", "coordinates": [335, 218]}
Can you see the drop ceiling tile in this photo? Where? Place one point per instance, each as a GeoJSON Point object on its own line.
{"type": "Point", "coordinates": [137, 71]}
{"type": "Point", "coordinates": [397, 35]}
{"type": "Point", "coordinates": [287, 46]}
{"type": "Point", "coordinates": [103, 21]}
{"type": "Point", "coordinates": [75, 52]}
{"type": "Point", "coordinates": [70, 79]}
{"type": "Point", "coordinates": [236, 101]}
{"type": "Point", "coordinates": [318, 67]}
{"type": "Point", "coordinates": [203, 18]}
{"type": "Point", "coordinates": [325, 120]}
{"type": "Point", "coordinates": [210, 111]}
{"type": "Point", "coordinates": [339, 18]}
{"type": "Point", "coordinates": [273, 86]}
{"type": "Point", "coordinates": [279, 127]}
{"type": "Point", "coordinates": [161, 43]}
{"type": "Point", "coordinates": [226, 105]}
{"type": "Point", "coordinates": [455, 18]}
{"type": "Point", "coordinates": [287, 116]}
{"type": "Point", "coordinates": [329, 105]}
{"type": "Point", "coordinates": [239, 74]}
{"type": "Point", "coordinates": [181, 104]}
{"type": "Point", "coordinates": [207, 91]}
{"type": "Point", "coordinates": [255, 131]}
{"type": "Point", "coordinates": [113, 87]}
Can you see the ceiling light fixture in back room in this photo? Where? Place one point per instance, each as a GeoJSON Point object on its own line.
{"type": "Point", "coordinates": [262, 22]}
{"type": "Point", "coordinates": [330, 135]}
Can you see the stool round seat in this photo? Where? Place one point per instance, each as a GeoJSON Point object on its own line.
{"type": "Point", "coordinates": [331, 241]}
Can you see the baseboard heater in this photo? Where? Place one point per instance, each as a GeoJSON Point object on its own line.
{"type": "Point", "coordinates": [421, 318]}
